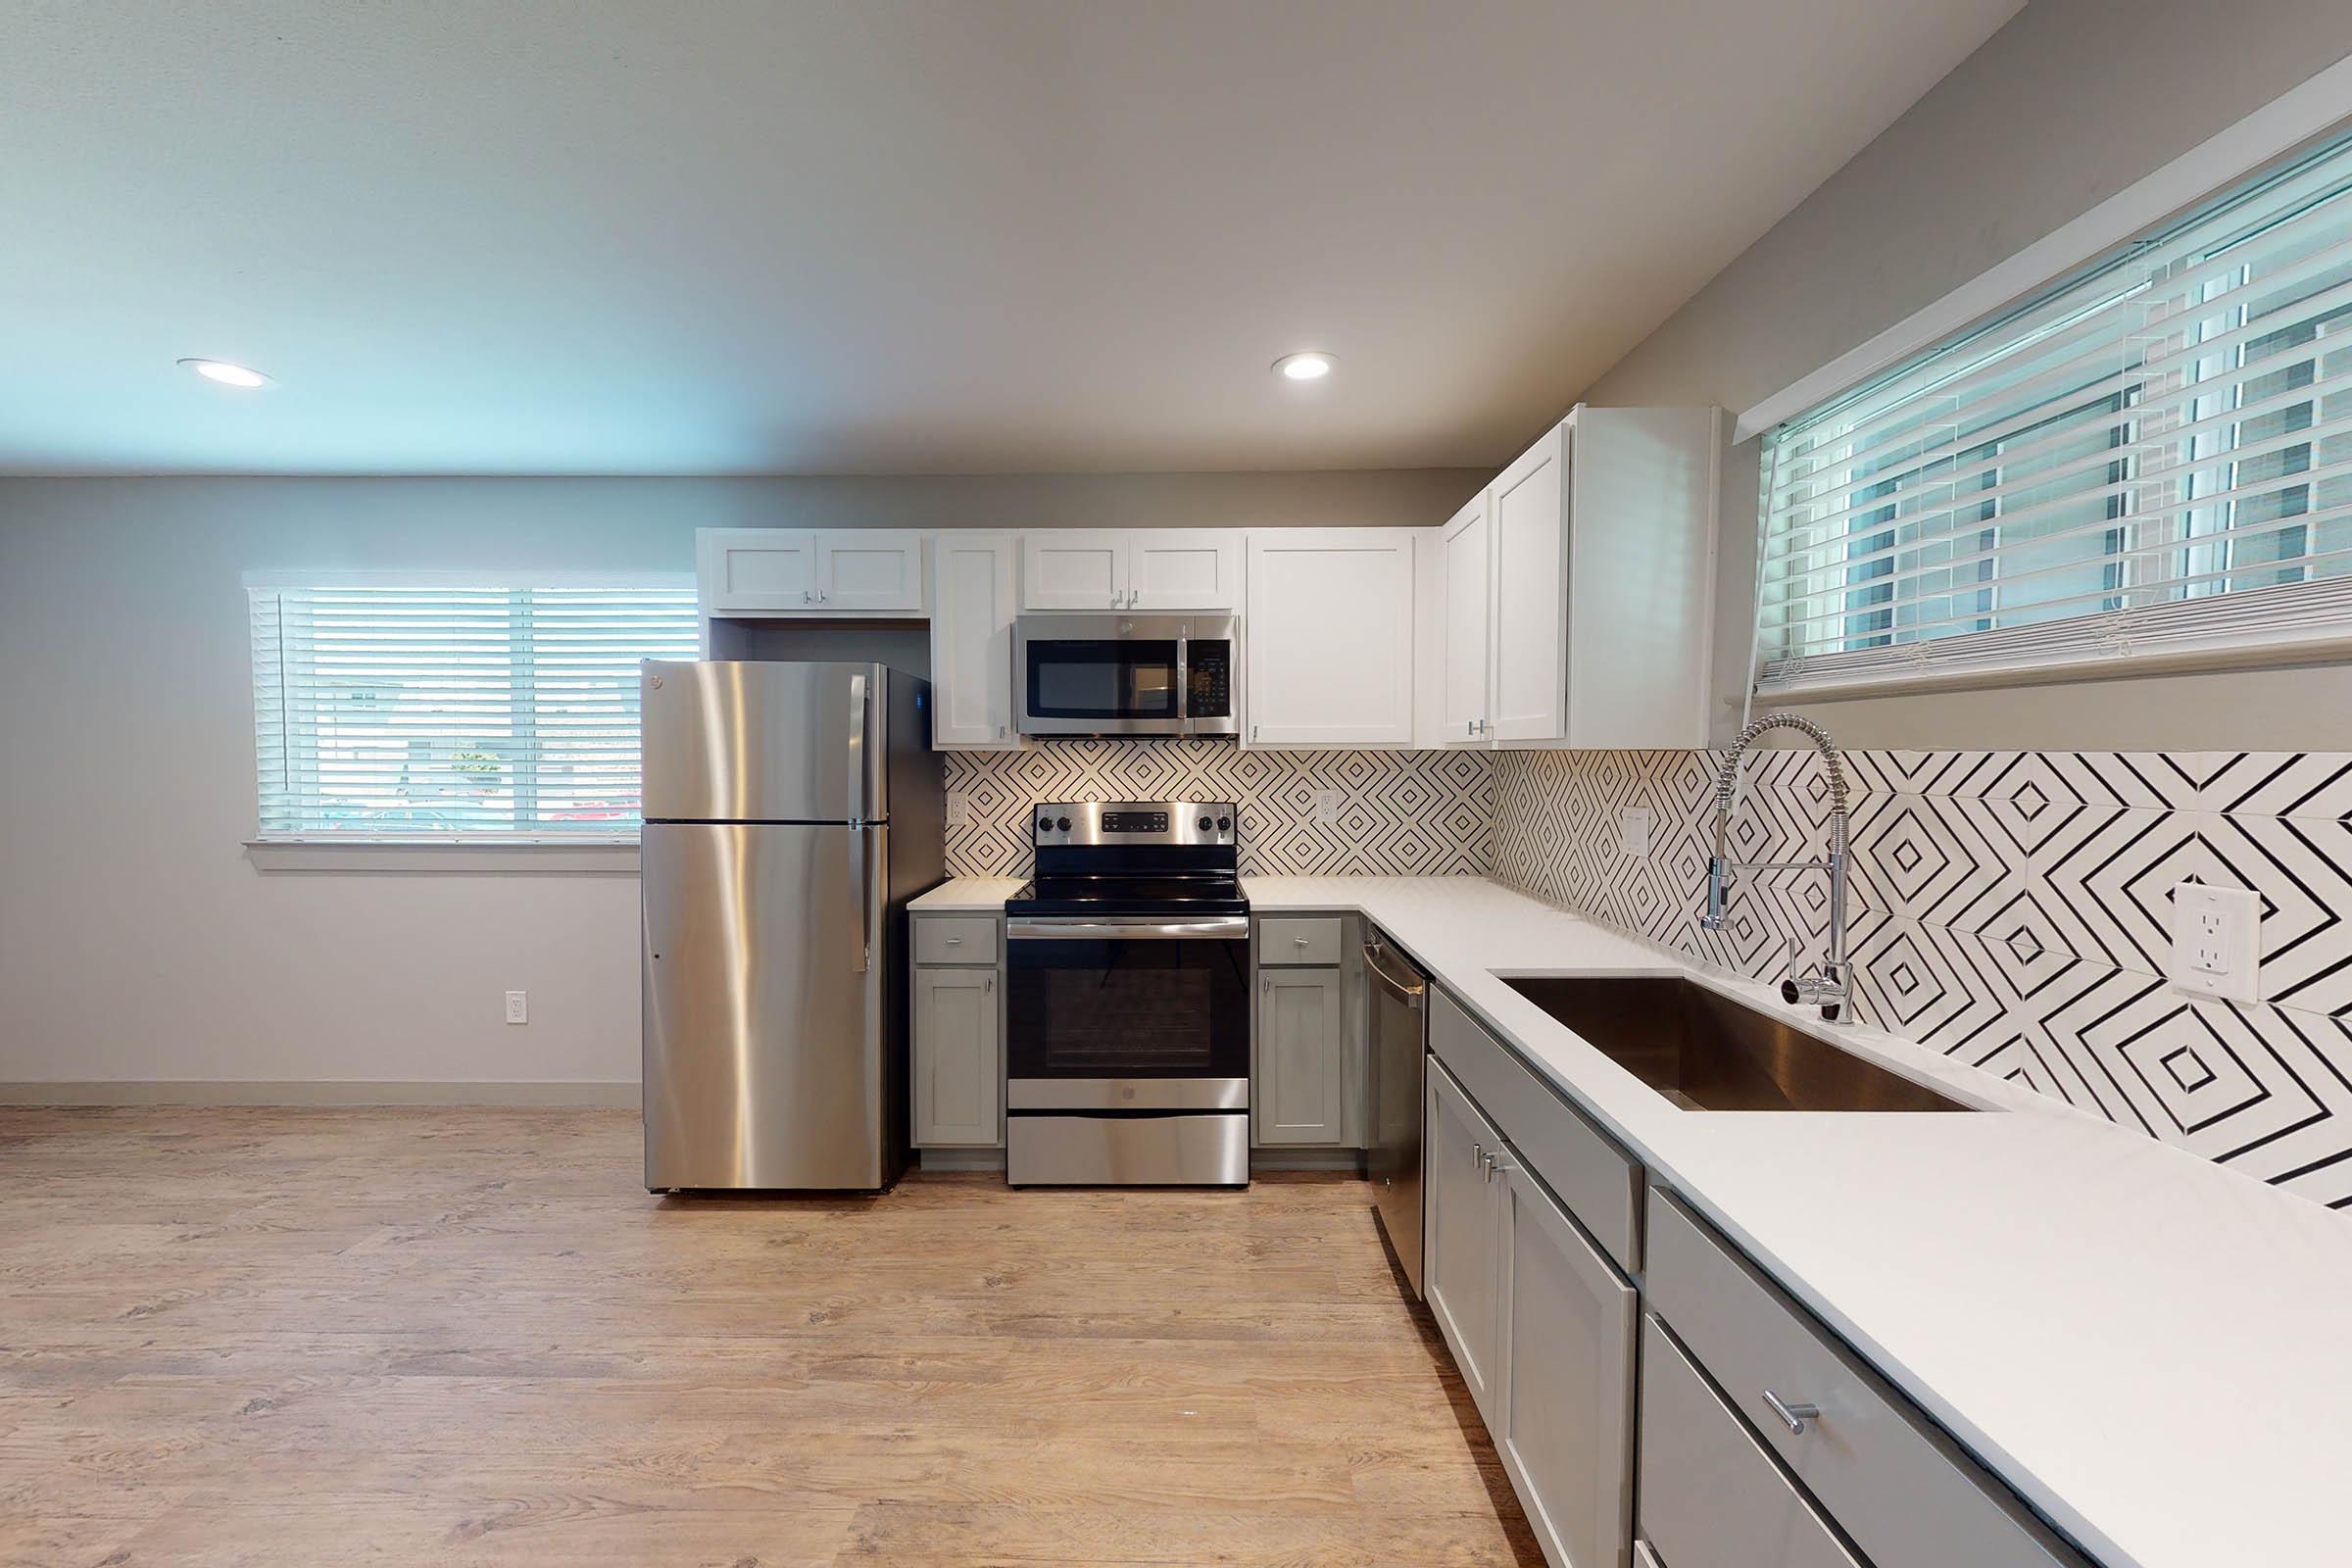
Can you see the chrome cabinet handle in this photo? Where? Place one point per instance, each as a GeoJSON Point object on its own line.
{"type": "Point", "coordinates": [1645, 1555]}
{"type": "Point", "coordinates": [989, 984]}
{"type": "Point", "coordinates": [1791, 1416]}
{"type": "Point", "coordinates": [954, 942]}
{"type": "Point", "coordinates": [1478, 1152]}
{"type": "Point", "coordinates": [1297, 942]}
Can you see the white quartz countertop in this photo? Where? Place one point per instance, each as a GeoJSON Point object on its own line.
{"type": "Point", "coordinates": [967, 894]}
{"type": "Point", "coordinates": [2153, 1350]}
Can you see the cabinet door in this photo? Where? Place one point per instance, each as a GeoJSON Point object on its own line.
{"type": "Point", "coordinates": [1563, 1422]}
{"type": "Point", "coordinates": [1184, 568]}
{"type": "Point", "coordinates": [1302, 1058]}
{"type": "Point", "coordinates": [959, 1071]}
{"type": "Point", "coordinates": [1329, 644]}
{"type": "Point", "coordinates": [755, 570]}
{"type": "Point", "coordinates": [1462, 694]}
{"type": "Point", "coordinates": [972, 641]}
{"type": "Point", "coordinates": [1459, 1268]}
{"type": "Point", "coordinates": [871, 570]}
{"type": "Point", "coordinates": [1074, 569]}
{"type": "Point", "coordinates": [1527, 605]}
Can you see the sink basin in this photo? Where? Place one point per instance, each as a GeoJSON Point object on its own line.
{"type": "Point", "coordinates": [1705, 1051]}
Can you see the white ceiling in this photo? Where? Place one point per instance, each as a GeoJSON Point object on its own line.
{"type": "Point", "coordinates": [634, 236]}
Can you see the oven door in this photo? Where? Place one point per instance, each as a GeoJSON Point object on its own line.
{"type": "Point", "coordinates": [1127, 1014]}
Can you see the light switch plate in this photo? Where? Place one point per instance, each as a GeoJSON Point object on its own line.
{"type": "Point", "coordinates": [960, 809]}
{"type": "Point", "coordinates": [1634, 823]}
{"type": "Point", "coordinates": [1326, 806]}
{"type": "Point", "coordinates": [2216, 941]}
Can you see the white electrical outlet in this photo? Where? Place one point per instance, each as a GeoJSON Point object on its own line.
{"type": "Point", "coordinates": [960, 809]}
{"type": "Point", "coordinates": [1633, 831]}
{"type": "Point", "coordinates": [1326, 806]}
{"type": "Point", "coordinates": [518, 1007]}
{"type": "Point", "coordinates": [2216, 941]}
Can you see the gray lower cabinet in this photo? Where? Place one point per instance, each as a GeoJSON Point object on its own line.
{"type": "Point", "coordinates": [1711, 1496]}
{"type": "Point", "coordinates": [1299, 1096]}
{"type": "Point", "coordinates": [958, 1062]}
{"type": "Point", "coordinates": [1564, 1379]}
{"type": "Point", "coordinates": [1461, 1268]}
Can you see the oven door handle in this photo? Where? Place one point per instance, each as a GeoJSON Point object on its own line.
{"type": "Point", "coordinates": [1126, 928]}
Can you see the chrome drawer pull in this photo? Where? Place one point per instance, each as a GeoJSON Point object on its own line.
{"type": "Point", "coordinates": [1792, 1416]}
{"type": "Point", "coordinates": [954, 942]}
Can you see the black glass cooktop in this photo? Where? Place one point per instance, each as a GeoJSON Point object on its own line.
{"type": "Point", "coordinates": [1174, 896]}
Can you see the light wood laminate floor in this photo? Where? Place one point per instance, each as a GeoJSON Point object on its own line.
{"type": "Point", "coordinates": [459, 1336]}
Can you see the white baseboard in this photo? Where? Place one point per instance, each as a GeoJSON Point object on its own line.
{"type": "Point", "coordinates": [555, 1094]}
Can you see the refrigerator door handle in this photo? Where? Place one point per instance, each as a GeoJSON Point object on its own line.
{"type": "Point", "coordinates": [856, 749]}
{"type": "Point", "coordinates": [860, 846]}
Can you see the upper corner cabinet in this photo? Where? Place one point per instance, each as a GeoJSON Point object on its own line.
{"type": "Point", "coordinates": [1328, 652]}
{"type": "Point", "coordinates": [804, 571]}
{"type": "Point", "coordinates": [1593, 555]}
{"type": "Point", "coordinates": [1132, 569]}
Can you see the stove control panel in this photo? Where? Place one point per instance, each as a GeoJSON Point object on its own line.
{"type": "Point", "coordinates": [1109, 823]}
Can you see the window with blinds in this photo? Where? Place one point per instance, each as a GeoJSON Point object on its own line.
{"type": "Point", "coordinates": [454, 711]}
{"type": "Point", "coordinates": [2151, 460]}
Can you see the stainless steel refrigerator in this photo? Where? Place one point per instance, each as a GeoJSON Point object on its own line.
{"type": "Point", "coordinates": [791, 810]}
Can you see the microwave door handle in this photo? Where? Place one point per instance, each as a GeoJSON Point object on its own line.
{"type": "Point", "coordinates": [1183, 684]}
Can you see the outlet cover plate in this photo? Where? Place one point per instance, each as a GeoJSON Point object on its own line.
{"type": "Point", "coordinates": [2217, 942]}
{"type": "Point", "coordinates": [1326, 806]}
{"type": "Point", "coordinates": [1634, 823]}
{"type": "Point", "coordinates": [960, 809]}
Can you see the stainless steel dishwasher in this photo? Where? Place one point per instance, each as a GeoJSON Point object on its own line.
{"type": "Point", "coordinates": [1399, 1038]}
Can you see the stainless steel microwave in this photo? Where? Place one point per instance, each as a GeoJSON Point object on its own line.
{"type": "Point", "coordinates": [1114, 675]}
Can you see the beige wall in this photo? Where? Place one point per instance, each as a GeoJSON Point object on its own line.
{"type": "Point", "coordinates": [136, 940]}
{"type": "Point", "coordinates": [2070, 102]}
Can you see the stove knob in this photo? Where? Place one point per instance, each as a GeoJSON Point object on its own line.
{"type": "Point", "coordinates": [1204, 824]}
{"type": "Point", "coordinates": [1045, 825]}
{"type": "Point", "coordinates": [1224, 824]}
{"type": "Point", "coordinates": [1063, 824]}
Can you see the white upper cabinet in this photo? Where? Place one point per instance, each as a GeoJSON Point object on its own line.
{"type": "Point", "coordinates": [751, 570]}
{"type": "Point", "coordinates": [795, 571]}
{"type": "Point", "coordinates": [1527, 600]}
{"type": "Point", "coordinates": [1328, 651]}
{"type": "Point", "coordinates": [1074, 569]}
{"type": "Point", "coordinates": [1132, 569]}
{"type": "Point", "coordinates": [869, 569]}
{"type": "Point", "coordinates": [1184, 568]}
{"type": "Point", "coordinates": [1462, 645]}
{"type": "Point", "coordinates": [972, 641]}
{"type": "Point", "coordinates": [1595, 558]}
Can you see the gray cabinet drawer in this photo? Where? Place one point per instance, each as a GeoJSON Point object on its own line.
{"type": "Point", "coordinates": [1315, 940]}
{"type": "Point", "coordinates": [1889, 1477]}
{"type": "Point", "coordinates": [955, 939]}
{"type": "Point", "coordinates": [1600, 1183]}
{"type": "Point", "coordinates": [1711, 1497]}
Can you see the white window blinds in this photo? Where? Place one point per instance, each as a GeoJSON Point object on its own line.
{"type": "Point", "coordinates": [453, 711]}
{"type": "Point", "coordinates": [2153, 460]}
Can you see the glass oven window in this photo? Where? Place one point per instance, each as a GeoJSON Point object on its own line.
{"type": "Point", "coordinates": [1091, 679]}
{"type": "Point", "coordinates": [1156, 1008]}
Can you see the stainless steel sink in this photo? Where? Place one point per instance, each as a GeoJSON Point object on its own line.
{"type": "Point", "coordinates": [1705, 1051]}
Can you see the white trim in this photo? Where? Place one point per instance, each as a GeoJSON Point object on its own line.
{"type": "Point", "coordinates": [503, 582]}
{"type": "Point", "coordinates": [555, 1094]}
{"type": "Point", "coordinates": [2285, 123]}
{"type": "Point", "coordinates": [450, 857]}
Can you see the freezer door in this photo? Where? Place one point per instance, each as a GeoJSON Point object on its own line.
{"type": "Point", "coordinates": [766, 1030]}
{"type": "Point", "coordinates": [763, 741]}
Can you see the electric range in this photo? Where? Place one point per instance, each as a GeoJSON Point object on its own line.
{"type": "Point", "coordinates": [1127, 999]}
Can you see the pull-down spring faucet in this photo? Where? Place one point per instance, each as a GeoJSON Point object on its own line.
{"type": "Point", "coordinates": [1828, 984]}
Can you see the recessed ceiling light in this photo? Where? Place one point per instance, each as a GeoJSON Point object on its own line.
{"type": "Point", "coordinates": [1304, 367]}
{"type": "Point", "coordinates": [227, 374]}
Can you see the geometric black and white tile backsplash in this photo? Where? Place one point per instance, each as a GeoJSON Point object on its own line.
{"type": "Point", "coordinates": [2009, 908]}
{"type": "Point", "coordinates": [2012, 910]}
{"type": "Point", "coordinates": [1401, 813]}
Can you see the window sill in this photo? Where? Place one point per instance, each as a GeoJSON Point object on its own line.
{"type": "Point", "coordinates": [460, 857]}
